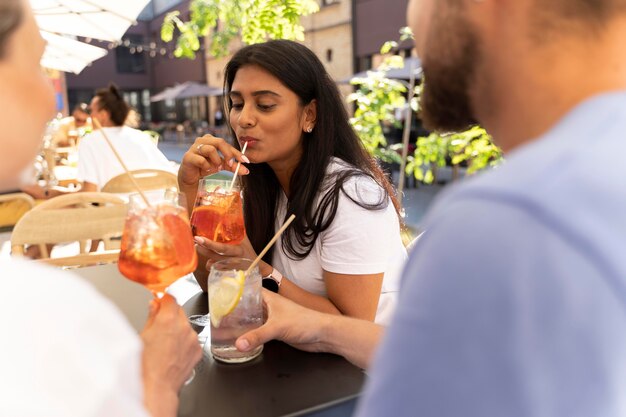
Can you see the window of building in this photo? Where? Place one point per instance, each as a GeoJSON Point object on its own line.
{"type": "Point", "coordinates": [329, 55]}
{"type": "Point", "coordinates": [128, 59]}
{"type": "Point", "coordinates": [364, 63]}
{"type": "Point", "coordinates": [325, 3]}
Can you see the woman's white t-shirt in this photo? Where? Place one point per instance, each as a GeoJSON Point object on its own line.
{"type": "Point", "coordinates": [358, 241]}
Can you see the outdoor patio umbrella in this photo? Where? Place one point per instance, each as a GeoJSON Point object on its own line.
{"type": "Point", "coordinates": [106, 20]}
{"type": "Point", "coordinates": [186, 90]}
{"type": "Point", "coordinates": [65, 54]}
{"type": "Point", "coordinates": [403, 73]}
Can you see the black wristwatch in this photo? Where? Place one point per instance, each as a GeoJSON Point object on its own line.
{"type": "Point", "coordinates": [272, 281]}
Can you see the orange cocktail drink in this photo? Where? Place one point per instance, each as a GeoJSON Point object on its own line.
{"type": "Point", "coordinates": [218, 212]}
{"type": "Point", "coordinates": [157, 246]}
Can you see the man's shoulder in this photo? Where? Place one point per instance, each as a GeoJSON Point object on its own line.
{"type": "Point", "coordinates": [24, 275]}
{"type": "Point", "coordinates": [34, 288]}
{"type": "Point", "coordinates": [573, 170]}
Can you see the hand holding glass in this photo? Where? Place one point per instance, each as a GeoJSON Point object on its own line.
{"type": "Point", "coordinates": [218, 212]}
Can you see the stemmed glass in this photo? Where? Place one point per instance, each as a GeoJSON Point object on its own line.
{"type": "Point", "coordinates": [218, 216]}
{"type": "Point", "coordinates": [157, 245]}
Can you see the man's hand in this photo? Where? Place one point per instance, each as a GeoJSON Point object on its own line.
{"type": "Point", "coordinates": [170, 352]}
{"type": "Point", "coordinates": [312, 331]}
{"type": "Point", "coordinates": [295, 325]}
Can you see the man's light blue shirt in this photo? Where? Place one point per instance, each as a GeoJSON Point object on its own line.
{"type": "Point", "coordinates": [514, 301]}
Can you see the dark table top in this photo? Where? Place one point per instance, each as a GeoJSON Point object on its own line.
{"type": "Point", "coordinates": [282, 381]}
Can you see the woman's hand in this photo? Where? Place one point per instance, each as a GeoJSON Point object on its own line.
{"type": "Point", "coordinates": [214, 251]}
{"type": "Point", "coordinates": [206, 156]}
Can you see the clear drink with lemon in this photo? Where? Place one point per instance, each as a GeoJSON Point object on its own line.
{"type": "Point", "coordinates": [235, 307]}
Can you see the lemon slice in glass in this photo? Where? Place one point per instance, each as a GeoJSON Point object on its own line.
{"type": "Point", "coordinates": [224, 297]}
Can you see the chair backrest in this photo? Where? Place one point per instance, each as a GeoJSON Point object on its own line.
{"type": "Point", "coordinates": [147, 179]}
{"type": "Point", "coordinates": [69, 218]}
{"type": "Point", "coordinates": [14, 207]}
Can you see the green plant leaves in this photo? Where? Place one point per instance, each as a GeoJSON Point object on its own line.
{"type": "Point", "coordinates": [224, 20]}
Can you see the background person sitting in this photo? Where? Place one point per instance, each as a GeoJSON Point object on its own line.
{"type": "Point", "coordinates": [96, 161]}
{"type": "Point", "coordinates": [69, 130]}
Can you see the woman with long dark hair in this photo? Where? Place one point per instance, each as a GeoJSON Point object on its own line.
{"type": "Point", "coordinates": [343, 252]}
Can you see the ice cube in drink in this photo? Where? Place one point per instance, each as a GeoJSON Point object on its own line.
{"type": "Point", "coordinates": [157, 247]}
{"type": "Point", "coordinates": [218, 216]}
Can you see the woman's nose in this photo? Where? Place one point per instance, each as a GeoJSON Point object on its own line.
{"type": "Point", "coordinates": [246, 118]}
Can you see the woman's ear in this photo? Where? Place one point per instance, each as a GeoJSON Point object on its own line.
{"type": "Point", "coordinates": [310, 116]}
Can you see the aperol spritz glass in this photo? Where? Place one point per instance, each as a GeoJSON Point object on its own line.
{"type": "Point", "coordinates": [218, 212]}
{"type": "Point", "coordinates": [157, 245]}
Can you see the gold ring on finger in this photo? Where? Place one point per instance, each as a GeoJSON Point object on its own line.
{"type": "Point", "coordinates": [200, 147]}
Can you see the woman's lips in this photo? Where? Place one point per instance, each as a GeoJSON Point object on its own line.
{"type": "Point", "coordinates": [249, 140]}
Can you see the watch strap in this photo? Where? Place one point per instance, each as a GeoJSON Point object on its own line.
{"type": "Point", "coordinates": [273, 280]}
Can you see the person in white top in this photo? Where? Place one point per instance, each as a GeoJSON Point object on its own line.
{"type": "Point", "coordinates": [343, 253]}
{"type": "Point", "coordinates": [97, 163]}
{"type": "Point", "coordinates": [67, 351]}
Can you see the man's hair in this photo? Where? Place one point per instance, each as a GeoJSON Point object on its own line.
{"type": "Point", "coordinates": [11, 15]}
{"type": "Point", "coordinates": [111, 100]}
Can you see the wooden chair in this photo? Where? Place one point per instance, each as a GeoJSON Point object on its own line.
{"type": "Point", "coordinates": [69, 218]}
{"type": "Point", "coordinates": [148, 179]}
{"type": "Point", "coordinates": [15, 206]}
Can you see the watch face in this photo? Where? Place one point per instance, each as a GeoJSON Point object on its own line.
{"type": "Point", "coordinates": [270, 284]}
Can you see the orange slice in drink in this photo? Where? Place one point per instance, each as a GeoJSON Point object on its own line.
{"type": "Point", "coordinates": [224, 297]}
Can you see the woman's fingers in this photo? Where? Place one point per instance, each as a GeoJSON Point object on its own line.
{"type": "Point", "coordinates": [221, 249]}
{"type": "Point", "coordinates": [210, 153]}
{"type": "Point", "coordinates": [227, 151]}
{"type": "Point", "coordinates": [207, 156]}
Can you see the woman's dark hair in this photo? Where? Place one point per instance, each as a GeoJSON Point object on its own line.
{"type": "Point", "coordinates": [299, 69]}
{"type": "Point", "coordinates": [11, 16]}
{"type": "Point", "coordinates": [111, 100]}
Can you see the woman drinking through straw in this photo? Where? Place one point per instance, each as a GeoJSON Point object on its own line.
{"type": "Point", "coordinates": [343, 253]}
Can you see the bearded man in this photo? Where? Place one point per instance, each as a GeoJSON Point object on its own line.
{"type": "Point", "coordinates": [514, 301]}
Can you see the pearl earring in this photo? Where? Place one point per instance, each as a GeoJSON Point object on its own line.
{"type": "Point", "coordinates": [309, 129]}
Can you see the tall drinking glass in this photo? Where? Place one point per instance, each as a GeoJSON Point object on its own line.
{"type": "Point", "coordinates": [157, 245]}
{"type": "Point", "coordinates": [218, 212]}
{"type": "Point", "coordinates": [235, 307]}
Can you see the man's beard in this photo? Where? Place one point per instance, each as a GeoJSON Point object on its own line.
{"type": "Point", "coordinates": [449, 66]}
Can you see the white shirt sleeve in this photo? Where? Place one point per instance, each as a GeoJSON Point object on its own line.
{"type": "Point", "coordinates": [65, 350]}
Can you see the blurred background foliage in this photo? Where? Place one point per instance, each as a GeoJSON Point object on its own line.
{"type": "Point", "coordinates": [224, 20]}
{"type": "Point", "coordinates": [376, 98]}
